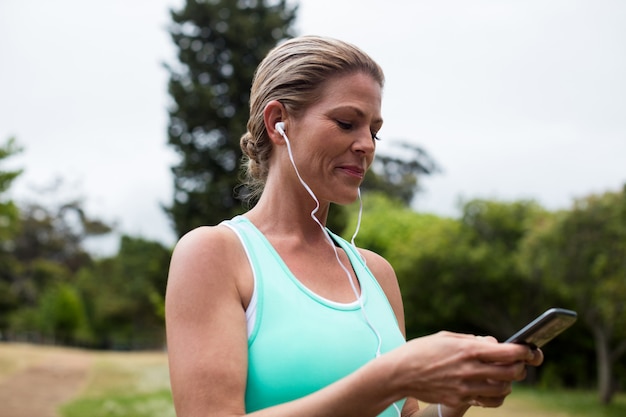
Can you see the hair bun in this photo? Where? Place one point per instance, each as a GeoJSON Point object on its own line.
{"type": "Point", "coordinates": [248, 146]}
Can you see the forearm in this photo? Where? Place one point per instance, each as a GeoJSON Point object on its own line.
{"type": "Point", "coordinates": [366, 392]}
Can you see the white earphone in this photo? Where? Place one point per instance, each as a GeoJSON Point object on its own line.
{"type": "Point", "coordinates": [280, 127]}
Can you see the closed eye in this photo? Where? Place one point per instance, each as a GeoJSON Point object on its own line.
{"type": "Point", "coordinates": [349, 126]}
{"type": "Point", "coordinates": [344, 125]}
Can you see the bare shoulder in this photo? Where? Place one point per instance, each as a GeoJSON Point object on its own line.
{"type": "Point", "coordinates": [386, 277]}
{"type": "Point", "coordinates": [205, 244]}
{"type": "Point", "coordinates": [205, 260]}
{"type": "Point", "coordinates": [380, 267]}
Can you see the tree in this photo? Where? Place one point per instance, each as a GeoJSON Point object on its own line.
{"type": "Point", "coordinates": [414, 244]}
{"type": "Point", "coordinates": [457, 274]}
{"type": "Point", "coordinates": [9, 217]}
{"type": "Point", "coordinates": [7, 150]}
{"type": "Point", "coordinates": [62, 314]}
{"type": "Point", "coordinates": [582, 254]}
{"type": "Point", "coordinates": [126, 295]}
{"type": "Point", "coordinates": [493, 232]}
{"type": "Point", "coordinates": [220, 43]}
{"type": "Point", "coordinates": [46, 251]}
{"type": "Point", "coordinates": [51, 235]}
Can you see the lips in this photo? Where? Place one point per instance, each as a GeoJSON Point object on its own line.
{"type": "Point", "coordinates": [353, 170]}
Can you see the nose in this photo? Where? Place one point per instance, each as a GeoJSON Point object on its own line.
{"type": "Point", "coordinates": [364, 143]}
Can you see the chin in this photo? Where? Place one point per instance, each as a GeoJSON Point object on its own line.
{"type": "Point", "coordinates": [347, 199]}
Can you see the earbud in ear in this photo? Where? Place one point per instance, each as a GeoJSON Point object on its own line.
{"type": "Point", "coordinates": [280, 126]}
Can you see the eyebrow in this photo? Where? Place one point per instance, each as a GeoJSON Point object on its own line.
{"type": "Point", "coordinates": [359, 112]}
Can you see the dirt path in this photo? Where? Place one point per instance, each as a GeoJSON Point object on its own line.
{"type": "Point", "coordinates": [36, 385]}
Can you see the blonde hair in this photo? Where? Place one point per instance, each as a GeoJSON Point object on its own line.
{"type": "Point", "coordinates": [293, 73]}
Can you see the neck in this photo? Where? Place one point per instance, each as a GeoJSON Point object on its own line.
{"type": "Point", "coordinates": [283, 210]}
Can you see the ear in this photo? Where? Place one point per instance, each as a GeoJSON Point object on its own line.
{"type": "Point", "coordinates": [273, 113]}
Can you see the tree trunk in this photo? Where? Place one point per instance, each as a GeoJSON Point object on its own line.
{"type": "Point", "coordinates": [603, 357]}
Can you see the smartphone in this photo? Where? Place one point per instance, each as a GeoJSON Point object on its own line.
{"type": "Point", "coordinates": [544, 328]}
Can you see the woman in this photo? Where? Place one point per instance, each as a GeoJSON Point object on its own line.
{"type": "Point", "coordinates": [270, 314]}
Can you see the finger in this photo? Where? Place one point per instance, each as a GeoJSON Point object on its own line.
{"type": "Point", "coordinates": [495, 388]}
{"type": "Point", "coordinates": [487, 402]}
{"type": "Point", "coordinates": [485, 388]}
{"type": "Point", "coordinates": [500, 372]}
{"type": "Point", "coordinates": [458, 335]}
{"type": "Point", "coordinates": [537, 358]}
{"type": "Point", "coordinates": [489, 339]}
{"type": "Point", "coordinates": [504, 353]}
{"type": "Point", "coordinates": [490, 394]}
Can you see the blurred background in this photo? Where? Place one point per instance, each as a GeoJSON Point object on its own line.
{"type": "Point", "coordinates": [498, 190]}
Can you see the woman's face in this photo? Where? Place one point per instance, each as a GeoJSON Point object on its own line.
{"type": "Point", "coordinates": [333, 141]}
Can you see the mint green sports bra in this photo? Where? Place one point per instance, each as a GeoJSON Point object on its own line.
{"type": "Point", "coordinates": [300, 342]}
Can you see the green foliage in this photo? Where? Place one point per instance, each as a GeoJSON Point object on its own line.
{"type": "Point", "coordinates": [467, 275]}
{"type": "Point", "coordinates": [585, 248]}
{"type": "Point", "coordinates": [492, 233]}
{"type": "Point", "coordinates": [10, 148]}
{"type": "Point", "coordinates": [24, 321]}
{"type": "Point", "coordinates": [220, 43]}
{"type": "Point", "coordinates": [56, 233]}
{"type": "Point", "coordinates": [9, 225]}
{"type": "Point", "coordinates": [501, 224]}
{"type": "Point", "coordinates": [582, 254]}
{"type": "Point", "coordinates": [415, 245]}
{"type": "Point", "coordinates": [46, 250]}
{"type": "Point", "coordinates": [56, 293]}
{"type": "Point", "coordinates": [53, 308]}
{"type": "Point", "coordinates": [52, 291]}
{"type": "Point", "coordinates": [126, 294]}
{"type": "Point", "coordinates": [457, 274]}
{"type": "Point", "coordinates": [62, 314]}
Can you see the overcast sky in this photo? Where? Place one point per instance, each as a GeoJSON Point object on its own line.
{"type": "Point", "coordinates": [514, 99]}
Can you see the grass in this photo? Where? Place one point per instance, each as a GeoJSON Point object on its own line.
{"type": "Point", "coordinates": [125, 385]}
{"type": "Point", "coordinates": [536, 402]}
{"type": "Point", "coordinates": [137, 385]}
{"type": "Point", "coordinates": [574, 403]}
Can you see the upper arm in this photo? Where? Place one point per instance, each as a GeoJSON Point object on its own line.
{"type": "Point", "coordinates": [206, 324]}
{"type": "Point", "coordinates": [386, 277]}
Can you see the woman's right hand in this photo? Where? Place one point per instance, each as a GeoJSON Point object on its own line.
{"type": "Point", "coordinates": [459, 370]}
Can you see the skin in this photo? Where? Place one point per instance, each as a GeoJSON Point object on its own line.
{"type": "Point", "coordinates": [210, 284]}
